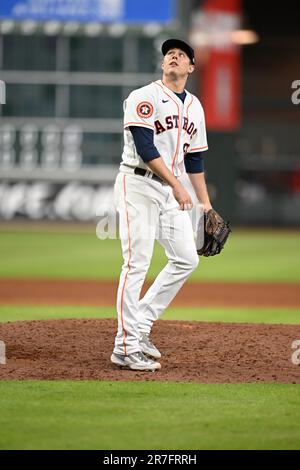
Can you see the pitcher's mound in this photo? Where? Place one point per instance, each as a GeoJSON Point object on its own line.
{"type": "Point", "coordinates": [191, 351]}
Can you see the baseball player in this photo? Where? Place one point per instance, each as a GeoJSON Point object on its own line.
{"type": "Point", "coordinates": [164, 136]}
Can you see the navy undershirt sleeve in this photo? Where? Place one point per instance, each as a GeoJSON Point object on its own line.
{"type": "Point", "coordinates": [194, 162]}
{"type": "Point", "coordinates": [144, 143]}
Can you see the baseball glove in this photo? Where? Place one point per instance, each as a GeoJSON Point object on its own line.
{"type": "Point", "coordinates": [216, 232]}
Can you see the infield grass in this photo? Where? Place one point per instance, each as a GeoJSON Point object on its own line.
{"type": "Point", "coordinates": [148, 415]}
{"type": "Point", "coordinates": [248, 256]}
{"type": "Point", "coordinates": [11, 313]}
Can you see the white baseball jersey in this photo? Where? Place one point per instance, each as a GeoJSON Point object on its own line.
{"type": "Point", "coordinates": [179, 128]}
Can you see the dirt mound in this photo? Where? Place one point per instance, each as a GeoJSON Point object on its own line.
{"type": "Point", "coordinates": [191, 351]}
{"type": "Point", "coordinates": [93, 292]}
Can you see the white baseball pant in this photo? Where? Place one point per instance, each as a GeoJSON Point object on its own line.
{"type": "Point", "coordinates": [148, 211]}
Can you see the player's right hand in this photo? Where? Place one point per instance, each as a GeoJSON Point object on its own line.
{"type": "Point", "coordinates": [182, 197]}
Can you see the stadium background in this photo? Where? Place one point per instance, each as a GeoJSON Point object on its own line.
{"type": "Point", "coordinates": [60, 145]}
{"type": "Point", "coordinates": [62, 120]}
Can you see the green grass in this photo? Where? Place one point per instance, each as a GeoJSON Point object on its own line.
{"type": "Point", "coordinates": [148, 415]}
{"type": "Point", "coordinates": [248, 256]}
{"type": "Point", "coordinates": [13, 313]}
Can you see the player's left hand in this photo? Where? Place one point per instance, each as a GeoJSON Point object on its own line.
{"type": "Point", "coordinates": [216, 232]}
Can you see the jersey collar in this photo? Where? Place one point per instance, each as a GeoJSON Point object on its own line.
{"type": "Point", "coordinates": [168, 90]}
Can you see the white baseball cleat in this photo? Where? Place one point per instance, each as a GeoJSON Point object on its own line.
{"type": "Point", "coordinates": [148, 347]}
{"type": "Point", "coordinates": [135, 361]}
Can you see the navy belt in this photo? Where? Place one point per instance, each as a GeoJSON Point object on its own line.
{"type": "Point", "coordinates": [142, 172]}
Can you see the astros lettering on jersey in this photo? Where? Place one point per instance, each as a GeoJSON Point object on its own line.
{"type": "Point", "coordinates": [179, 128]}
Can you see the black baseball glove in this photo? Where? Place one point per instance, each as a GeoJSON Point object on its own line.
{"type": "Point", "coordinates": [216, 232]}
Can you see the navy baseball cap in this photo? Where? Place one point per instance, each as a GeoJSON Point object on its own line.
{"type": "Point", "coordinates": [178, 44]}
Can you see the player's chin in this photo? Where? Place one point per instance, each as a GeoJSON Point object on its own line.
{"type": "Point", "coordinates": [173, 73]}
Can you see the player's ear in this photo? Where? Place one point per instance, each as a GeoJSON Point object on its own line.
{"type": "Point", "coordinates": [191, 68]}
